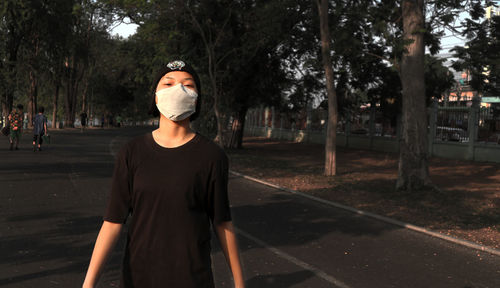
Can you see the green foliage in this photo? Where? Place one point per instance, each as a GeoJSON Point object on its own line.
{"type": "Point", "coordinates": [266, 52]}
{"type": "Point", "coordinates": [438, 78]}
{"type": "Point", "coordinates": [481, 55]}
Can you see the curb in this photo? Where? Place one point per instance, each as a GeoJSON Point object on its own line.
{"type": "Point", "coordinates": [376, 216]}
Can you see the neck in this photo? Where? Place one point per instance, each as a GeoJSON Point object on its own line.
{"type": "Point", "coordinates": [172, 133]}
{"type": "Point", "coordinates": [173, 129]}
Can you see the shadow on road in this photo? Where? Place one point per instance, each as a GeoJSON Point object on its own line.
{"type": "Point", "coordinates": [283, 280]}
{"type": "Point", "coordinates": [284, 220]}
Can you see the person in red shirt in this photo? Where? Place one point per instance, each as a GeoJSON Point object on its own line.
{"type": "Point", "coordinates": [16, 126]}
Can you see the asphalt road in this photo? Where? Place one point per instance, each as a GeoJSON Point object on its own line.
{"type": "Point", "coordinates": [51, 204]}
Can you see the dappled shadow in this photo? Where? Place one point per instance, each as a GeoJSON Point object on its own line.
{"type": "Point", "coordinates": [309, 157]}
{"type": "Point", "coordinates": [63, 244]}
{"type": "Point", "coordinates": [453, 212]}
{"type": "Point", "coordinates": [71, 268]}
{"type": "Point", "coordinates": [48, 170]}
{"type": "Point", "coordinates": [60, 242]}
{"type": "Point", "coordinates": [70, 152]}
{"type": "Point", "coordinates": [51, 204]}
{"type": "Point", "coordinates": [467, 200]}
{"type": "Point", "coordinates": [441, 209]}
{"type": "Point", "coordinates": [287, 220]}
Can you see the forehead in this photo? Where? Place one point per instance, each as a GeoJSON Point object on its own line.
{"type": "Point", "coordinates": [178, 75]}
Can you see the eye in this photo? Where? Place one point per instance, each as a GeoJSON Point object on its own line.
{"type": "Point", "coordinates": [189, 84]}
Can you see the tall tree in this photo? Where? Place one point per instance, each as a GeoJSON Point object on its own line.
{"type": "Point", "coordinates": [254, 74]}
{"type": "Point", "coordinates": [422, 24]}
{"type": "Point", "coordinates": [55, 46]}
{"type": "Point", "coordinates": [213, 32]}
{"type": "Point", "coordinates": [331, 132]}
{"type": "Point", "coordinates": [413, 170]}
{"type": "Point", "coordinates": [13, 26]}
{"type": "Point", "coordinates": [33, 43]}
{"type": "Point", "coordinates": [90, 18]}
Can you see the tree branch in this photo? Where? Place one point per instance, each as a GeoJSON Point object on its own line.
{"type": "Point", "coordinates": [224, 25]}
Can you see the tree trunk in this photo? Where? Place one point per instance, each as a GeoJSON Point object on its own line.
{"type": "Point", "coordinates": [11, 78]}
{"type": "Point", "coordinates": [67, 102]}
{"type": "Point", "coordinates": [73, 81]}
{"type": "Point", "coordinates": [72, 111]}
{"type": "Point", "coordinates": [413, 171]}
{"type": "Point", "coordinates": [237, 129]}
{"type": "Point", "coordinates": [32, 103]}
{"type": "Point", "coordinates": [54, 105]}
{"type": "Point", "coordinates": [210, 44]}
{"type": "Point", "coordinates": [331, 132]}
{"type": "Point", "coordinates": [87, 63]}
{"type": "Point", "coordinates": [212, 71]}
{"type": "Point", "coordinates": [219, 139]}
{"type": "Point", "coordinates": [84, 94]}
{"type": "Point", "coordinates": [70, 102]}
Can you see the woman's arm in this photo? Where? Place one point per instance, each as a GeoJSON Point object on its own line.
{"type": "Point", "coordinates": [106, 240]}
{"type": "Point", "coordinates": [227, 239]}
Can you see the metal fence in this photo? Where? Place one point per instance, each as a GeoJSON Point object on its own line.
{"type": "Point", "coordinates": [452, 124]}
{"type": "Point", "coordinates": [454, 132]}
{"type": "Point", "coordinates": [489, 125]}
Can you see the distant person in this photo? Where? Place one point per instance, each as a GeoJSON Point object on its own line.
{"type": "Point", "coordinates": [102, 121]}
{"type": "Point", "coordinates": [16, 126]}
{"type": "Point", "coordinates": [173, 181]}
{"type": "Point", "coordinates": [83, 120]}
{"type": "Point", "coordinates": [39, 129]}
{"type": "Point", "coordinates": [118, 121]}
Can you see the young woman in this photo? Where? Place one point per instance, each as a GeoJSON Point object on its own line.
{"type": "Point", "coordinates": [173, 183]}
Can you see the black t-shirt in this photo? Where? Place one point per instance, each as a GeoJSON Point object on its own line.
{"type": "Point", "coordinates": [172, 195]}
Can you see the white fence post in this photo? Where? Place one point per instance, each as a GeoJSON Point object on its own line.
{"type": "Point", "coordinates": [272, 117]}
{"type": "Point", "coordinates": [259, 117]}
{"type": "Point", "coordinates": [432, 125]}
{"type": "Point", "coordinates": [473, 126]}
{"type": "Point", "coordinates": [371, 128]}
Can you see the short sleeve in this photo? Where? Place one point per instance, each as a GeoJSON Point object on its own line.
{"type": "Point", "coordinates": [118, 204]}
{"type": "Point", "coordinates": [218, 200]}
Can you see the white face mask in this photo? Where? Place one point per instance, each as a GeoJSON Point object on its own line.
{"type": "Point", "coordinates": [177, 102]}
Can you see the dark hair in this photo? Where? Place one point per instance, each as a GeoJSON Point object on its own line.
{"type": "Point", "coordinates": [41, 109]}
{"type": "Point", "coordinates": [20, 106]}
{"type": "Point", "coordinates": [176, 65]}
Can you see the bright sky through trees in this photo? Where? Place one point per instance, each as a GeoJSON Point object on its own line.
{"type": "Point", "coordinates": [124, 30]}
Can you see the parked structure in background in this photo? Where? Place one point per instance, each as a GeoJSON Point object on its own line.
{"type": "Point", "coordinates": [457, 132]}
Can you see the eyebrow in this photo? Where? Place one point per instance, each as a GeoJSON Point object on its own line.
{"type": "Point", "coordinates": [168, 77]}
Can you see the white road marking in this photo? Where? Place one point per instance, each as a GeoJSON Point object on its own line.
{"type": "Point", "coordinates": [320, 273]}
